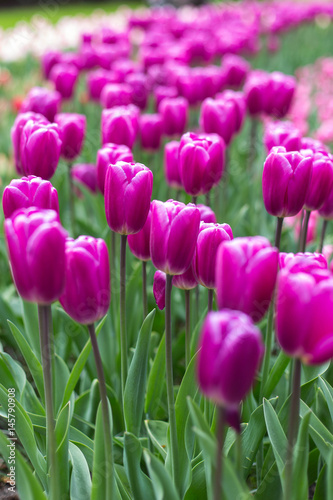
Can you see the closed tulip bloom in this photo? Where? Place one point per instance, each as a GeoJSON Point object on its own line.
{"type": "Point", "coordinates": [201, 162]}
{"type": "Point", "coordinates": [29, 192]}
{"type": "Point", "coordinates": [96, 81]}
{"type": "Point", "coordinates": [44, 101]}
{"type": "Point", "coordinates": [285, 181]}
{"type": "Point", "coordinates": [246, 270]}
{"type": "Point", "coordinates": [206, 214]}
{"type": "Point", "coordinates": [174, 231]}
{"type": "Point", "coordinates": [237, 99]}
{"type": "Point", "coordinates": [140, 89]}
{"type": "Point", "coordinates": [120, 125]}
{"type": "Point", "coordinates": [164, 92]}
{"type": "Point", "coordinates": [171, 164]}
{"type": "Point", "coordinates": [128, 190]}
{"type": "Point", "coordinates": [174, 112]}
{"type": "Point", "coordinates": [218, 117]}
{"type": "Point", "coordinates": [85, 174]}
{"type": "Point", "coordinates": [209, 239]}
{"type": "Point", "coordinates": [72, 132]}
{"type": "Point", "coordinates": [326, 211]}
{"type": "Point", "coordinates": [159, 289]}
{"type": "Point", "coordinates": [109, 154]}
{"type": "Point", "coordinates": [235, 69]}
{"type": "Point", "coordinates": [40, 149]}
{"type": "Point", "coordinates": [64, 77]}
{"type": "Point", "coordinates": [282, 134]}
{"type": "Point", "coordinates": [116, 94]}
{"type": "Point", "coordinates": [255, 90]}
{"type": "Point", "coordinates": [36, 249]}
{"type": "Point", "coordinates": [139, 243]}
{"type": "Point", "coordinates": [16, 132]}
{"type": "Point", "coordinates": [185, 281]}
{"type": "Point", "coordinates": [280, 92]}
{"type": "Point", "coordinates": [304, 313]}
{"type": "Point", "coordinates": [321, 183]}
{"type": "Point", "coordinates": [306, 260]}
{"type": "Point", "coordinates": [151, 130]}
{"type": "Point", "coordinates": [86, 297]}
{"type": "Point", "coordinates": [48, 60]}
{"type": "Point", "coordinates": [229, 356]}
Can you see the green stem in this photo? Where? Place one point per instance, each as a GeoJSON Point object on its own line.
{"type": "Point", "coordinates": [169, 381]}
{"type": "Point", "coordinates": [279, 224]}
{"type": "Point", "coordinates": [210, 299]}
{"type": "Point", "coordinates": [194, 200]}
{"type": "Point", "coordinates": [144, 289]}
{"type": "Point", "coordinates": [305, 230]}
{"type": "Point", "coordinates": [218, 494]}
{"type": "Point", "coordinates": [71, 200]}
{"type": "Point", "coordinates": [322, 236]}
{"type": "Point", "coordinates": [123, 333]}
{"type": "Point", "coordinates": [187, 327]}
{"type": "Point", "coordinates": [293, 426]}
{"type": "Point", "coordinates": [46, 348]}
{"type": "Point", "coordinates": [105, 414]}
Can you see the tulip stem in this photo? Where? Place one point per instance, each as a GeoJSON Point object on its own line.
{"type": "Point", "coordinates": [144, 289]}
{"type": "Point", "coordinates": [305, 230]}
{"type": "Point", "coordinates": [322, 236]}
{"type": "Point", "coordinates": [279, 224]}
{"type": "Point", "coordinates": [194, 200]}
{"type": "Point", "coordinates": [218, 494]}
{"type": "Point", "coordinates": [105, 414]}
{"type": "Point", "coordinates": [169, 381]}
{"type": "Point", "coordinates": [46, 349]}
{"type": "Point", "coordinates": [293, 426]}
{"type": "Point", "coordinates": [187, 327]}
{"type": "Point", "coordinates": [71, 200]}
{"type": "Point", "coordinates": [208, 199]}
{"type": "Point", "coordinates": [210, 299]}
{"type": "Point", "coordinates": [123, 333]}
{"type": "Point", "coordinates": [253, 139]}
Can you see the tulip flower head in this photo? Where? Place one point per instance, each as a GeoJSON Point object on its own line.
{"type": "Point", "coordinates": [139, 243]}
{"type": "Point", "coordinates": [64, 76]}
{"type": "Point", "coordinates": [171, 164]}
{"type": "Point", "coordinates": [109, 154]}
{"type": "Point", "coordinates": [120, 125]}
{"type": "Point", "coordinates": [72, 132]}
{"type": "Point", "coordinates": [44, 101]}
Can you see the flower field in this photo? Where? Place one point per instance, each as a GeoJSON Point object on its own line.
{"type": "Point", "coordinates": [166, 288]}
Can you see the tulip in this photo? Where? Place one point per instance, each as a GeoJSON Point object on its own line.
{"type": "Point", "coordinates": [237, 99]}
{"type": "Point", "coordinates": [139, 243]}
{"type": "Point", "coordinates": [235, 69]}
{"type": "Point", "coordinates": [285, 181]}
{"type": "Point", "coordinates": [120, 125]}
{"type": "Point", "coordinates": [64, 77]}
{"type": "Point", "coordinates": [282, 134]}
{"type": "Point", "coordinates": [140, 89]}
{"type": "Point", "coordinates": [43, 101]}
{"type": "Point", "coordinates": [109, 155]}
{"type": "Point", "coordinates": [72, 131]}
{"type": "Point", "coordinates": [16, 133]}
{"type": "Point", "coordinates": [164, 92]}
{"type": "Point", "coordinates": [40, 149]}
{"type": "Point", "coordinates": [96, 81]}
{"type": "Point", "coordinates": [321, 181]}
{"type": "Point", "coordinates": [174, 112]}
{"type": "Point", "coordinates": [280, 92]}
{"type": "Point", "coordinates": [171, 164]}
{"type": "Point", "coordinates": [246, 271]}
{"type": "Point", "coordinates": [116, 94]}
{"type": "Point", "coordinates": [85, 174]}
{"type": "Point", "coordinates": [151, 130]}
{"type": "Point", "coordinates": [206, 214]}
{"type": "Point", "coordinates": [201, 162]}
{"type": "Point", "coordinates": [305, 260]}
{"type": "Point", "coordinates": [29, 192]}
{"type": "Point", "coordinates": [326, 212]}
{"type": "Point", "coordinates": [255, 90]}
{"type": "Point", "coordinates": [48, 60]}
{"type": "Point", "coordinates": [159, 289]}
{"type": "Point", "coordinates": [218, 117]}
{"type": "Point", "coordinates": [186, 281]}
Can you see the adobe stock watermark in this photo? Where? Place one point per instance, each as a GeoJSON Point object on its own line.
{"type": "Point", "coordinates": [11, 461]}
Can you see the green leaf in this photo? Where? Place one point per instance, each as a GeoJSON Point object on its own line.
{"type": "Point", "coordinates": [311, 372]}
{"type": "Point", "coordinates": [155, 382]}
{"type": "Point", "coordinates": [276, 435]}
{"type": "Point", "coordinates": [329, 476]}
{"type": "Point", "coordinates": [11, 373]}
{"type": "Point", "coordinates": [328, 393]}
{"type": "Point", "coordinates": [300, 488]}
{"type": "Point", "coordinates": [60, 377]}
{"type": "Point", "coordinates": [140, 483]}
{"type": "Point", "coordinates": [276, 373]}
{"type": "Point", "coordinates": [197, 488]}
{"type": "Point", "coordinates": [135, 387]}
{"type": "Point", "coordinates": [158, 433]}
{"type": "Point", "coordinates": [80, 486]}
{"type": "Point", "coordinates": [27, 484]}
{"type": "Point", "coordinates": [320, 491]}
{"type": "Point", "coordinates": [271, 483]}
{"type": "Point", "coordinates": [319, 433]}
{"type": "Point", "coordinates": [162, 482]}
{"type": "Point", "coordinates": [61, 432]}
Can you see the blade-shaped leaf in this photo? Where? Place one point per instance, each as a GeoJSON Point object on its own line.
{"type": "Point", "coordinates": [140, 483]}
{"type": "Point", "coordinates": [276, 435]}
{"type": "Point", "coordinates": [155, 382]}
{"type": "Point", "coordinates": [80, 486]}
{"type": "Point", "coordinates": [162, 482]}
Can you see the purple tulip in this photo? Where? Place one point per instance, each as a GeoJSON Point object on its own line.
{"type": "Point", "coordinates": [29, 192]}
{"type": "Point", "coordinates": [120, 125]}
{"type": "Point", "coordinates": [110, 154]}
{"type": "Point", "coordinates": [97, 80]}
{"type": "Point", "coordinates": [255, 90]}
{"type": "Point", "coordinates": [64, 77]}
{"type": "Point", "coordinates": [85, 174]}
{"type": "Point", "coordinates": [304, 312]}
{"type": "Point", "coordinates": [86, 297]}
{"type": "Point", "coordinates": [151, 130]}
{"type": "Point", "coordinates": [280, 92]}
{"type": "Point", "coordinates": [139, 243]}
{"type": "Point", "coordinates": [48, 60]}
{"type": "Point", "coordinates": [285, 181]}
{"type": "Point", "coordinates": [72, 132]}
{"type": "Point", "coordinates": [206, 214]}
{"type": "Point", "coordinates": [44, 101]}
{"type": "Point", "coordinates": [314, 145]}
{"type": "Point", "coordinates": [40, 149]}
{"type": "Point", "coordinates": [246, 271]}
{"type": "Point", "coordinates": [321, 183]}
{"type": "Point", "coordinates": [218, 117]}
{"type": "Point", "coordinates": [128, 190]}
{"type": "Point", "coordinates": [36, 248]}
{"type": "Point", "coordinates": [235, 69]}
{"type": "Point", "coordinates": [204, 261]}
{"type": "Point", "coordinates": [304, 260]}
{"type": "Point", "coordinates": [171, 164]}
{"type": "Point", "coordinates": [185, 281]}
{"type": "Point", "coordinates": [16, 132]}
{"type": "Point", "coordinates": [162, 92]}
{"type": "Point", "coordinates": [282, 134]}
{"type": "Point", "coordinates": [116, 94]}
{"type": "Point", "coordinates": [159, 289]}
{"type": "Point", "coordinates": [174, 112]}
{"type": "Point", "coordinates": [230, 352]}
{"type": "Point", "coordinates": [174, 231]}
{"type": "Point", "coordinates": [201, 162]}
{"type": "Point", "coordinates": [326, 211]}
{"type": "Point", "coordinates": [237, 99]}
{"type": "Point", "coordinates": [140, 89]}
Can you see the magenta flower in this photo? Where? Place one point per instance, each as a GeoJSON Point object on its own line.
{"type": "Point", "coordinates": [174, 112]}
{"type": "Point", "coordinates": [116, 94]}
{"type": "Point", "coordinates": [86, 175]}
{"type": "Point", "coordinates": [139, 84]}
{"type": "Point", "coordinates": [171, 164]}
{"type": "Point", "coordinates": [235, 69]}
{"type": "Point", "coordinates": [44, 101]}
{"type": "Point", "coordinates": [321, 183]}
{"type": "Point", "coordinates": [282, 134]}
{"type": "Point", "coordinates": [185, 281]}
{"type": "Point", "coordinates": [64, 76]}
{"type": "Point", "coordinates": [159, 289]}
{"type": "Point", "coordinates": [139, 243]}
{"type": "Point", "coordinates": [109, 155]}
{"type": "Point", "coordinates": [221, 116]}
{"type": "Point", "coordinates": [72, 132]}
{"type": "Point", "coordinates": [120, 125]}
{"type": "Point", "coordinates": [206, 214]}
{"type": "Point", "coordinates": [151, 130]}
{"type": "Point", "coordinates": [96, 81]}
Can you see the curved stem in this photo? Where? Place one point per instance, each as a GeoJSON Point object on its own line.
{"type": "Point", "coordinates": [218, 494]}
{"type": "Point", "coordinates": [169, 380]}
{"type": "Point", "coordinates": [123, 333]}
{"type": "Point", "coordinates": [210, 299]}
{"type": "Point", "coordinates": [322, 236]}
{"type": "Point", "coordinates": [105, 413]}
{"type": "Point", "coordinates": [305, 230]}
{"type": "Point", "coordinates": [144, 289]}
{"type": "Point", "coordinates": [71, 200]}
{"type": "Point", "coordinates": [46, 349]}
{"type": "Point", "coordinates": [187, 327]}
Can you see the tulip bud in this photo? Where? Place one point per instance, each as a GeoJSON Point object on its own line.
{"type": "Point", "coordinates": [321, 183]}
{"type": "Point", "coordinates": [171, 164]}
{"type": "Point", "coordinates": [139, 243]}
{"type": "Point", "coordinates": [43, 101]}
{"type": "Point", "coordinates": [128, 190]}
{"type": "Point", "coordinates": [29, 192]}
{"type": "Point", "coordinates": [201, 162]}
{"type": "Point", "coordinates": [40, 149]}
{"type": "Point", "coordinates": [218, 117]}
{"type": "Point", "coordinates": [206, 214]}
{"type": "Point", "coordinates": [140, 89]}
{"type": "Point", "coordinates": [109, 155]}
{"type": "Point", "coordinates": [246, 271]}
{"type": "Point", "coordinates": [235, 69]}
{"type": "Point", "coordinates": [48, 60]}
{"type": "Point", "coordinates": [282, 134]}
{"type": "Point", "coordinates": [229, 355]}
{"type": "Point", "coordinates": [285, 182]}
{"type": "Point", "coordinates": [120, 125]}
{"type": "Point", "coordinates": [280, 92]}
{"type": "Point", "coordinates": [162, 92]}
{"type": "Point", "coordinates": [159, 289]}
{"type": "Point", "coordinates": [255, 90]}
{"type": "Point", "coordinates": [151, 130]}
{"type": "Point", "coordinates": [85, 174]}
{"type": "Point", "coordinates": [116, 94]}
{"type": "Point", "coordinates": [64, 77]}
{"type": "Point", "coordinates": [209, 239]}
{"type": "Point", "coordinates": [237, 99]}
{"type": "Point", "coordinates": [36, 249]}
{"type": "Point", "coordinates": [72, 131]}
{"type": "Point", "coordinates": [326, 211]}
{"type": "Point", "coordinates": [174, 231]}
{"type": "Point", "coordinates": [96, 81]}
{"type": "Point", "coordinates": [86, 297]}
{"type": "Point", "coordinates": [174, 112]}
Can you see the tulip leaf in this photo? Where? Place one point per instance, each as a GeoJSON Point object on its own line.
{"type": "Point", "coordinates": [197, 488]}
{"type": "Point", "coordinates": [135, 388]}
{"type": "Point", "coordinates": [158, 432]}
{"type": "Point", "coordinates": [328, 393]}
{"type": "Point", "coordinates": [28, 485]}
{"type": "Point", "coordinates": [80, 485]}
{"type": "Point", "coordinates": [155, 382]}
{"type": "Point", "coordinates": [276, 435]}
{"type": "Point", "coordinates": [140, 483]}
{"type": "Point", "coordinates": [61, 432]}
{"type": "Point", "coordinates": [319, 433]}
{"type": "Point", "coordinates": [276, 373]}
{"type": "Point", "coordinates": [271, 483]}
{"type": "Point", "coordinates": [162, 482]}
{"type": "Point", "coordinates": [311, 372]}
{"type": "Point", "coordinates": [12, 374]}
{"type": "Point", "coordinates": [330, 476]}
{"type": "Point", "coordinates": [33, 364]}
{"type": "Point", "coordinates": [122, 482]}
{"type": "Point", "coordinates": [300, 488]}
{"type": "Point", "coordinates": [320, 491]}
{"type": "Point", "coordinates": [60, 377]}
